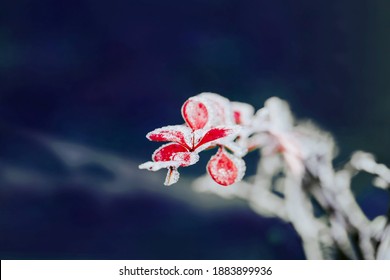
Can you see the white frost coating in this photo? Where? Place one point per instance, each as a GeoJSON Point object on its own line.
{"type": "Point", "coordinates": [246, 113]}
{"type": "Point", "coordinates": [260, 140]}
{"type": "Point", "coordinates": [377, 227]}
{"type": "Point", "coordinates": [197, 136]}
{"type": "Point", "coordinates": [380, 183]}
{"type": "Point", "coordinates": [384, 247]}
{"type": "Point", "coordinates": [366, 162]}
{"type": "Point", "coordinates": [172, 174]}
{"type": "Point", "coordinates": [222, 114]}
{"type": "Point", "coordinates": [279, 113]}
{"type": "Point", "coordinates": [173, 133]}
{"type": "Point", "coordinates": [363, 161]}
{"type": "Point", "coordinates": [295, 164]}
{"type": "Point", "coordinates": [292, 152]}
{"type": "Point", "coordinates": [241, 167]}
{"type": "Point", "coordinates": [261, 120]}
{"type": "Point", "coordinates": [240, 164]}
{"type": "Point", "coordinates": [237, 149]}
{"type": "Point", "coordinates": [157, 165]}
{"type": "Point", "coordinates": [246, 117]}
{"type": "Point", "coordinates": [186, 158]}
{"type": "Point", "coordinates": [172, 177]}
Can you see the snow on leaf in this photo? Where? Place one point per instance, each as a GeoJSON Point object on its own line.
{"type": "Point", "coordinates": [173, 133]}
{"type": "Point", "coordinates": [195, 113]}
{"type": "Point", "coordinates": [165, 152]}
{"type": "Point", "coordinates": [155, 166]}
{"type": "Point", "coordinates": [238, 150]}
{"type": "Point", "coordinates": [222, 110]}
{"type": "Point", "coordinates": [226, 169]}
{"type": "Point", "coordinates": [243, 113]}
{"type": "Point", "coordinates": [186, 158]}
{"type": "Point", "coordinates": [212, 136]}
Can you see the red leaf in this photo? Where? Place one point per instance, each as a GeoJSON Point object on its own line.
{"type": "Point", "coordinates": [173, 133]}
{"type": "Point", "coordinates": [215, 134]}
{"type": "Point", "coordinates": [225, 169]}
{"type": "Point", "coordinates": [165, 152]}
{"type": "Point", "coordinates": [195, 113]}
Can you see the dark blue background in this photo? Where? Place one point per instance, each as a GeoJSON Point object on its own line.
{"type": "Point", "coordinates": [102, 74]}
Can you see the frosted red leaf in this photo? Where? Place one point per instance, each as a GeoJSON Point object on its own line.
{"type": "Point", "coordinates": [195, 113]}
{"type": "Point", "coordinates": [214, 134]}
{"type": "Point", "coordinates": [165, 152]}
{"type": "Point", "coordinates": [225, 169]}
{"type": "Point", "coordinates": [170, 156]}
{"type": "Point", "coordinates": [180, 134]}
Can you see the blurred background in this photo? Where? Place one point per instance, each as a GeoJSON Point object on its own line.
{"type": "Point", "coordinates": [82, 82]}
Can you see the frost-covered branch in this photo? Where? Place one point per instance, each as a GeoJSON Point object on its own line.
{"type": "Point", "coordinates": [295, 180]}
